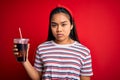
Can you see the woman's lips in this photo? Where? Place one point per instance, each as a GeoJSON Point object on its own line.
{"type": "Point", "coordinates": [59, 35]}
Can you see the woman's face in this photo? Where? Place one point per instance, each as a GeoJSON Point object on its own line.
{"type": "Point", "coordinates": [60, 26]}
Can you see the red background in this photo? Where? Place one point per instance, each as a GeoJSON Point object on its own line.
{"type": "Point", "coordinates": [98, 27]}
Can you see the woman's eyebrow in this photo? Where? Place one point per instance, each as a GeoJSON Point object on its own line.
{"type": "Point", "coordinates": [61, 22]}
{"type": "Point", "coordinates": [64, 21]}
{"type": "Point", "coordinates": [53, 23]}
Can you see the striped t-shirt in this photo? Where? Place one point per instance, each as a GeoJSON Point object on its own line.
{"type": "Point", "coordinates": [63, 62]}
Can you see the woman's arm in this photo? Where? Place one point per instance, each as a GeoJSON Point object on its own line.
{"type": "Point", "coordinates": [32, 72]}
{"type": "Point", "coordinates": [84, 77]}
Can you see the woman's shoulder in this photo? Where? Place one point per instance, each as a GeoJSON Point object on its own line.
{"type": "Point", "coordinates": [45, 44]}
{"type": "Point", "coordinates": [81, 46]}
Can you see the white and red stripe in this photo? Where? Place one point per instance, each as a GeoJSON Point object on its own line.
{"type": "Point", "coordinates": [63, 61]}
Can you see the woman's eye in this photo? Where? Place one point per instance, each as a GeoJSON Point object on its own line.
{"type": "Point", "coordinates": [63, 25]}
{"type": "Point", "coordinates": [53, 25]}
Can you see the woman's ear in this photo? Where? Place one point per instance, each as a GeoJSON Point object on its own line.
{"type": "Point", "coordinates": [71, 27]}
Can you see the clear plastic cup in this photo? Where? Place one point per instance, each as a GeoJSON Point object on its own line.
{"type": "Point", "coordinates": [22, 46]}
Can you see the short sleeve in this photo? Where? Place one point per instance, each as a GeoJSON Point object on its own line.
{"type": "Point", "coordinates": [38, 62]}
{"type": "Point", "coordinates": [86, 69]}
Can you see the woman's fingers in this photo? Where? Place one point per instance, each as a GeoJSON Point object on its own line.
{"type": "Point", "coordinates": [16, 53]}
{"type": "Point", "coordinates": [15, 45]}
{"type": "Point", "coordinates": [15, 50]}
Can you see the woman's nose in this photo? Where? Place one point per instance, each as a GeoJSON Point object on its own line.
{"type": "Point", "coordinates": [59, 28]}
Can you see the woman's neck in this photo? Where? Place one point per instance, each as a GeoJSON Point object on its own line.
{"type": "Point", "coordinates": [67, 41]}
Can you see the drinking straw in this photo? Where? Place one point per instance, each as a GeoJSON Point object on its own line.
{"type": "Point", "coordinates": [20, 33]}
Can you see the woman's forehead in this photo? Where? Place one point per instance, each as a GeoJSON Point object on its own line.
{"type": "Point", "coordinates": [62, 17]}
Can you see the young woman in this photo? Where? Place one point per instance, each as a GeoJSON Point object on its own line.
{"type": "Point", "coordinates": [62, 56]}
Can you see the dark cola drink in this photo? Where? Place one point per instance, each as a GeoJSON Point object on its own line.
{"type": "Point", "coordinates": [22, 46]}
{"type": "Point", "coordinates": [22, 52]}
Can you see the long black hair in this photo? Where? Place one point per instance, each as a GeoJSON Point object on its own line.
{"type": "Point", "coordinates": [73, 33]}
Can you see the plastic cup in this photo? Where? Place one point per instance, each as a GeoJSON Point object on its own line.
{"type": "Point", "coordinates": [22, 46]}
